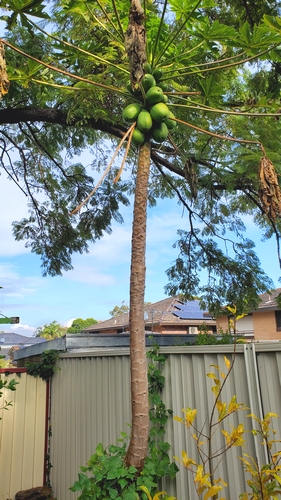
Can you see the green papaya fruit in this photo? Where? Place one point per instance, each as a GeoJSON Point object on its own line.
{"type": "Point", "coordinates": [144, 121]}
{"type": "Point", "coordinates": [160, 132]}
{"type": "Point", "coordinates": [148, 81]}
{"type": "Point", "coordinates": [159, 112]}
{"type": "Point", "coordinates": [171, 124]}
{"type": "Point", "coordinates": [154, 95]}
{"type": "Point", "coordinates": [157, 73]}
{"type": "Point", "coordinates": [138, 137]}
{"type": "Point", "coordinates": [131, 112]}
{"type": "Point", "coordinates": [147, 68]}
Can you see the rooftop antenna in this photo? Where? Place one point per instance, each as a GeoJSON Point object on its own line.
{"type": "Point", "coordinates": [152, 316]}
{"type": "Point", "coordinates": [123, 326]}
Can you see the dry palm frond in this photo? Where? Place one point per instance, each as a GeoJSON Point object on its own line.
{"type": "Point", "coordinates": [269, 190]}
{"type": "Point", "coordinates": [128, 133]}
{"type": "Point", "coordinates": [125, 155]}
{"type": "Point", "coordinates": [4, 80]}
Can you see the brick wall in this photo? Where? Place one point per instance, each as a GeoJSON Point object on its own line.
{"type": "Point", "coordinates": [265, 326]}
{"type": "Point", "coordinates": [176, 330]}
{"type": "Point", "coordinates": [222, 324]}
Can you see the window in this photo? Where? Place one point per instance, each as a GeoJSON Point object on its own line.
{"type": "Point", "coordinates": [278, 320]}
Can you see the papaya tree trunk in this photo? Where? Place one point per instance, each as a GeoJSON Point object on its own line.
{"type": "Point", "coordinates": [137, 449]}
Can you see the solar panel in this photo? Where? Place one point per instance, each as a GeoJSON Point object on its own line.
{"type": "Point", "coordinates": [190, 310]}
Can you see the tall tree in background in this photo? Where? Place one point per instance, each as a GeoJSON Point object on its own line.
{"type": "Point", "coordinates": [79, 324]}
{"type": "Point", "coordinates": [50, 331]}
{"type": "Point", "coordinates": [119, 310]}
{"type": "Point", "coordinates": [73, 73]}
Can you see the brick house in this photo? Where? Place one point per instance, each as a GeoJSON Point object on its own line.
{"type": "Point", "coordinates": [168, 316]}
{"type": "Point", "coordinates": [264, 323]}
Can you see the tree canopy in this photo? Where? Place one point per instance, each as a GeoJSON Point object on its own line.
{"type": "Point", "coordinates": [79, 324]}
{"type": "Point", "coordinates": [119, 310]}
{"type": "Point", "coordinates": [70, 79]}
{"type": "Point", "coordinates": [50, 331]}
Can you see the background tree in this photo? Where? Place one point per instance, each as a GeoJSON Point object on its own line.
{"type": "Point", "coordinates": [123, 309]}
{"type": "Point", "coordinates": [3, 363]}
{"type": "Point", "coordinates": [50, 331]}
{"type": "Point", "coordinates": [119, 310]}
{"type": "Point", "coordinates": [67, 94]}
{"type": "Point", "coordinates": [79, 324]}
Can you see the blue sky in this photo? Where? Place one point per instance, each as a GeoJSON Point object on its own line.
{"type": "Point", "coordinates": [100, 279]}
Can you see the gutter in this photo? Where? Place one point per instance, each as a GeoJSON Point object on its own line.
{"type": "Point", "coordinates": [37, 349]}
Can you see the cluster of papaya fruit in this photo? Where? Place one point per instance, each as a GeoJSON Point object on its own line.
{"type": "Point", "coordinates": [152, 114]}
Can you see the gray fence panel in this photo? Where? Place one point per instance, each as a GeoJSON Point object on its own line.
{"type": "Point", "coordinates": [189, 387]}
{"type": "Point", "coordinates": [269, 368]}
{"type": "Point", "coordinates": [91, 404]}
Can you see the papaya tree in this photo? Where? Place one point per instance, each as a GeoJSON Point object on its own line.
{"type": "Point", "coordinates": [188, 95]}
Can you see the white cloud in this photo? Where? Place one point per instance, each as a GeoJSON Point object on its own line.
{"type": "Point", "coordinates": [163, 228]}
{"type": "Point", "coordinates": [90, 275]}
{"type": "Point", "coordinates": [68, 323]}
{"type": "Point", "coordinates": [114, 247]}
{"type": "Point", "coordinates": [25, 330]}
{"type": "Point", "coordinates": [15, 285]}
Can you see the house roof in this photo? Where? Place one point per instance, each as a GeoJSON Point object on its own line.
{"type": "Point", "coordinates": [10, 339]}
{"type": "Point", "coordinates": [170, 311]}
{"type": "Point", "coordinates": [268, 300]}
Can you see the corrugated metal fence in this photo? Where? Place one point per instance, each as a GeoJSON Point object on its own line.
{"type": "Point", "coordinates": [90, 404]}
{"type": "Point", "coordinates": [22, 435]}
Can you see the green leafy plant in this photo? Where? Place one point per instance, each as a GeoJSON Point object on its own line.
{"type": "Point", "coordinates": [210, 339]}
{"type": "Point", "coordinates": [3, 363]}
{"type": "Point", "coordinates": [11, 386]}
{"type": "Point", "coordinates": [107, 475]}
{"type": "Point", "coordinates": [158, 456]}
{"type": "Point", "coordinates": [46, 367]}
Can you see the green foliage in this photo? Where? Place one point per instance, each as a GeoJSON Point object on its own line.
{"type": "Point", "coordinates": [79, 324]}
{"type": "Point", "coordinates": [158, 449]}
{"type": "Point", "coordinates": [111, 478]}
{"type": "Point", "coordinates": [233, 280]}
{"type": "Point", "coordinates": [107, 475]}
{"type": "Point", "coordinates": [46, 367]}
{"type": "Point", "coordinates": [3, 363]}
{"type": "Point", "coordinates": [119, 310]}
{"type": "Point", "coordinates": [50, 331]}
{"type": "Point", "coordinates": [11, 386]}
{"type": "Point", "coordinates": [210, 339]}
